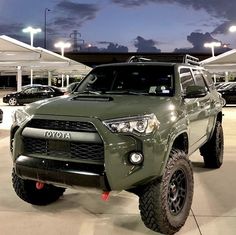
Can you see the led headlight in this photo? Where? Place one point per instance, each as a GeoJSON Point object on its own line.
{"type": "Point", "coordinates": [19, 116]}
{"type": "Point", "coordinates": [145, 124]}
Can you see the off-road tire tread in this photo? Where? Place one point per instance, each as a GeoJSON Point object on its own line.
{"type": "Point", "coordinates": [151, 206]}
{"type": "Point", "coordinates": [210, 152]}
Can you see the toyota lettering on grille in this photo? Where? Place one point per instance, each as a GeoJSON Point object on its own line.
{"type": "Point", "coordinates": [57, 135]}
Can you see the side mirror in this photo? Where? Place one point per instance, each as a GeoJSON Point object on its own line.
{"type": "Point", "coordinates": [195, 91]}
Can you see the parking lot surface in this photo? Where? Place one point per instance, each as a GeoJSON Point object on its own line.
{"type": "Point", "coordinates": [82, 212]}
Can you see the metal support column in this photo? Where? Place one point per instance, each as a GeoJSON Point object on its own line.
{"type": "Point", "coordinates": [49, 78]}
{"type": "Point", "coordinates": [19, 78]}
{"type": "Point", "coordinates": [31, 76]}
{"type": "Point", "coordinates": [67, 80]}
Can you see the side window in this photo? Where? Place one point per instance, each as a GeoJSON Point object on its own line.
{"type": "Point", "coordinates": [233, 88]}
{"type": "Point", "coordinates": [199, 79]}
{"type": "Point", "coordinates": [31, 90]}
{"type": "Point", "coordinates": [208, 79]}
{"type": "Point", "coordinates": [186, 79]}
{"type": "Point", "coordinates": [45, 89]}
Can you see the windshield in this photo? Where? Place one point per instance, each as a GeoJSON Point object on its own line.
{"type": "Point", "coordinates": [129, 79]}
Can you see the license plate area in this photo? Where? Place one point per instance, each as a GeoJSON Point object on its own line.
{"type": "Point", "coordinates": [58, 146]}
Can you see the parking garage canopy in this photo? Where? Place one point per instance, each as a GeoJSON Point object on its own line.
{"type": "Point", "coordinates": [225, 62]}
{"type": "Point", "coordinates": [20, 58]}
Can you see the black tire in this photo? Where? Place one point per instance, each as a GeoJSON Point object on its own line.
{"type": "Point", "coordinates": [27, 191]}
{"type": "Point", "coordinates": [13, 101]}
{"type": "Point", "coordinates": [213, 150]}
{"type": "Point", "coordinates": [165, 204]}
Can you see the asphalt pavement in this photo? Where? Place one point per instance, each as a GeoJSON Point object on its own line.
{"type": "Point", "coordinates": [82, 212]}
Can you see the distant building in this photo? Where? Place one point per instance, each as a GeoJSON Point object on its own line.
{"type": "Point", "coordinates": [93, 59]}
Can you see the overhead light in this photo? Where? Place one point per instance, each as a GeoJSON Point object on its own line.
{"type": "Point", "coordinates": [212, 45]}
{"type": "Point", "coordinates": [232, 28]}
{"type": "Point", "coordinates": [62, 46]}
{"type": "Point", "coordinates": [32, 31]}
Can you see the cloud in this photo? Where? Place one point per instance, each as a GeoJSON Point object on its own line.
{"type": "Point", "coordinates": [112, 47]}
{"type": "Point", "coordinates": [223, 28]}
{"type": "Point", "coordinates": [6, 28]}
{"type": "Point", "coordinates": [145, 45]}
{"type": "Point", "coordinates": [131, 3]}
{"type": "Point", "coordinates": [72, 13]}
{"type": "Point", "coordinates": [198, 40]}
{"type": "Point", "coordinates": [104, 42]}
{"type": "Point", "coordinates": [66, 22]}
{"type": "Point", "coordinates": [217, 8]}
{"type": "Point", "coordinates": [66, 16]}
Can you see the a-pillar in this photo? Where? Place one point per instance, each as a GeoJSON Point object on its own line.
{"type": "Point", "coordinates": [19, 78]}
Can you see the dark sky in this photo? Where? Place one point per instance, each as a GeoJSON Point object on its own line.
{"type": "Point", "coordinates": [122, 26]}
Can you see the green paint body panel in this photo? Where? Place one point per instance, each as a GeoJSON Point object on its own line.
{"type": "Point", "coordinates": [178, 116]}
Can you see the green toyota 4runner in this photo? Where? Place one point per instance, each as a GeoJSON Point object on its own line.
{"type": "Point", "coordinates": [127, 126]}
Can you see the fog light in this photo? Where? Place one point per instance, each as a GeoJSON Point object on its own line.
{"type": "Point", "coordinates": [136, 158]}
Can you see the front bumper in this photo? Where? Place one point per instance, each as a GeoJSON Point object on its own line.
{"type": "Point", "coordinates": [115, 172]}
{"type": "Point", "coordinates": [61, 173]}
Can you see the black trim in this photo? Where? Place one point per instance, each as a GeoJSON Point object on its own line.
{"type": "Point", "coordinates": [62, 172]}
{"type": "Point", "coordinates": [92, 98]}
{"type": "Point", "coordinates": [61, 125]}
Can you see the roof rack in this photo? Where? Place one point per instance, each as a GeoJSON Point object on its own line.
{"type": "Point", "coordinates": [188, 59]}
{"type": "Point", "coordinates": [138, 59]}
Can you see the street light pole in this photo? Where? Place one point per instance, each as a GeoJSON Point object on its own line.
{"type": "Point", "coordinates": [212, 45]}
{"type": "Point", "coordinates": [32, 31]}
{"type": "Point", "coordinates": [45, 27]}
{"type": "Point", "coordinates": [62, 46]}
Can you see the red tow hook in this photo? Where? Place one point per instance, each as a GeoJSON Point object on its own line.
{"type": "Point", "coordinates": [105, 196]}
{"type": "Point", "coordinates": [39, 185]}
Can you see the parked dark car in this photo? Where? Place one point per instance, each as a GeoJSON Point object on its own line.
{"type": "Point", "coordinates": [1, 115]}
{"type": "Point", "coordinates": [229, 93]}
{"type": "Point", "coordinates": [32, 93]}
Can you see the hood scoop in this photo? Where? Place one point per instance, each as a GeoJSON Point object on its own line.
{"type": "Point", "coordinates": [92, 98]}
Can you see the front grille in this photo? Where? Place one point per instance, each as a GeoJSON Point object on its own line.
{"type": "Point", "coordinates": [64, 149]}
{"type": "Point", "coordinates": [62, 125]}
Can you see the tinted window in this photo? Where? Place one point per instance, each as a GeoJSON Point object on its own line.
{"type": "Point", "coordinates": [46, 89]}
{"type": "Point", "coordinates": [31, 90]}
{"type": "Point", "coordinates": [146, 79]}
